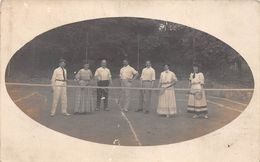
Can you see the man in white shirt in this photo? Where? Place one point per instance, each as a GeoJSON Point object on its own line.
{"type": "Point", "coordinates": [104, 79]}
{"type": "Point", "coordinates": [147, 81]}
{"type": "Point", "coordinates": [127, 75]}
{"type": "Point", "coordinates": [59, 84]}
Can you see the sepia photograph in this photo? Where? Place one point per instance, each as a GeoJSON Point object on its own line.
{"type": "Point", "coordinates": [129, 81]}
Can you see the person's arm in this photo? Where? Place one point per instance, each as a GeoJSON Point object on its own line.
{"type": "Point", "coordinates": [190, 80]}
{"type": "Point", "coordinates": [96, 75]}
{"type": "Point", "coordinates": [120, 77]}
{"type": "Point", "coordinates": [160, 81]}
{"type": "Point", "coordinates": [135, 73]}
{"type": "Point", "coordinates": [202, 79]}
{"type": "Point", "coordinates": [173, 81]}
{"type": "Point", "coordinates": [110, 77]}
{"type": "Point", "coordinates": [53, 78]}
{"type": "Point", "coordinates": [90, 77]}
{"type": "Point", "coordinates": [77, 76]}
{"type": "Point", "coordinates": [153, 77]}
{"type": "Point", "coordinates": [141, 78]}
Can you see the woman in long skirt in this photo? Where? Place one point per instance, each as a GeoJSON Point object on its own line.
{"type": "Point", "coordinates": [167, 101]}
{"type": "Point", "coordinates": [84, 102]}
{"type": "Point", "coordinates": [197, 99]}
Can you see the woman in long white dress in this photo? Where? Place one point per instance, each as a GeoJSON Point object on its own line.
{"type": "Point", "coordinates": [167, 101]}
{"type": "Point", "coordinates": [197, 102]}
{"type": "Point", "coordinates": [84, 102]}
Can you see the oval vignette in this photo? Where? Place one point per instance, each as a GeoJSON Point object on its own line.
{"type": "Point", "coordinates": [29, 72]}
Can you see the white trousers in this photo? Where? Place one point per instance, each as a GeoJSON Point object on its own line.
{"type": "Point", "coordinates": [126, 93]}
{"type": "Point", "coordinates": [59, 93]}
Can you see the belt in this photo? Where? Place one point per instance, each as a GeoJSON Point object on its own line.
{"type": "Point", "coordinates": [60, 80]}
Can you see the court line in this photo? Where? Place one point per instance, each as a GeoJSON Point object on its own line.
{"type": "Point", "coordinates": [45, 98]}
{"type": "Point", "coordinates": [229, 100]}
{"type": "Point", "coordinates": [223, 106]}
{"type": "Point", "coordinates": [25, 97]}
{"type": "Point", "coordinates": [130, 125]}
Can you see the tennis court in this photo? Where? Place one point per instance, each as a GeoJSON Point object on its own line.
{"type": "Point", "coordinates": [130, 128]}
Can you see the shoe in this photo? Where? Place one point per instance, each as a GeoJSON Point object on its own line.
{"type": "Point", "coordinates": [102, 98]}
{"type": "Point", "coordinates": [52, 114]}
{"type": "Point", "coordinates": [206, 116]}
{"type": "Point", "coordinates": [195, 116]}
{"type": "Point", "coordinates": [126, 110]}
{"type": "Point", "coordinates": [138, 110]}
{"type": "Point", "coordinates": [106, 109]}
{"type": "Point", "coordinates": [66, 114]}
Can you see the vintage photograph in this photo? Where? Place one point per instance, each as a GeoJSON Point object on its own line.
{"type": "Point", "coordinates": [129, 81]}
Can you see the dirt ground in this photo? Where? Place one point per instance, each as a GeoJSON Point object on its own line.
{"type": "Point", "coordinates": [126, 128]}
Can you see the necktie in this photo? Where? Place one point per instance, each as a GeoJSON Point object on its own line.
{"type": "Point", "coordinates": [63, 72]}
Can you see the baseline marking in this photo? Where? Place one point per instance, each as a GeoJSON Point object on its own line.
{"type": "Point", "coordinates": [25, 97]}
{"type": "Point", "coordinates": [229, 100]}
{"type": "Point", "coordinates": [223, 106]}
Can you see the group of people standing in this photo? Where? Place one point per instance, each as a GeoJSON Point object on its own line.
{"type": "Point", "coordinates": [167, 102]}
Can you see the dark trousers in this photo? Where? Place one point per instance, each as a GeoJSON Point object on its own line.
{"type": "Point", "coordinates": [102, 92]}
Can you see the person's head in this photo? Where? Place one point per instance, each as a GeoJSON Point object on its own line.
{"type": "Point", "coordinates": [125, 62]}
{"type": "Point", "coordinates": [103, 63]}
{"type": "Point", "coordinates": [166, 67]}
{"type": "Point", "coordinates": [196, 68]}
{"type": "Point", "coordinates": [62, 63]}
{"type": "Point", "coordinates": [148, 63]}
{"type": "Point", "coordinates": [86, 66]}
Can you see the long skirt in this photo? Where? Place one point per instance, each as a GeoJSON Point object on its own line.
{"type": "Point", "coordinates": [197, 102]}
{"type": "Point", "coordinates": [84, 100]}
{"type": "Point", "coordinates": [167, 102]}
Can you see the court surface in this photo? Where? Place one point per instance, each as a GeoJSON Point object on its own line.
{"type": "Point", "coordinates": [126, 128]}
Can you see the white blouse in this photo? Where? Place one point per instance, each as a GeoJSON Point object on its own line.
{"type": "Point", "coordinates": [167, 77]}
{"type": "Point", "coordinates": [198, 79]}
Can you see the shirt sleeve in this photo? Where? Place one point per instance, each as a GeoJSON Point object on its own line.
{"type": "Point", "coordinates": [142, 75]}
{"type": "Point", "coordinates": [66, 75]}
{"type": "Point", "coordinates": [134, 71]}
{"type": "Point", "coordinates": [153, 74]}
{"type": "Point", "coordinates": [120, 73]}
{"type": "Point", "coordinates": [96, 73]}
{"type": "Point", "coordinates": [109, 74]}
{"type": "Point", "coordinates": [161, 77]}
{"type": "Point", "coordinates": [174, 77]}
{"type": "Point", "coordinates": [53, 78]}
{"type": "Point", "coordinates": [77, 76]}
{"type": "Point", "coordinates": [201, 77]}
{"type": "Point", "coordinates": [190, 78]}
